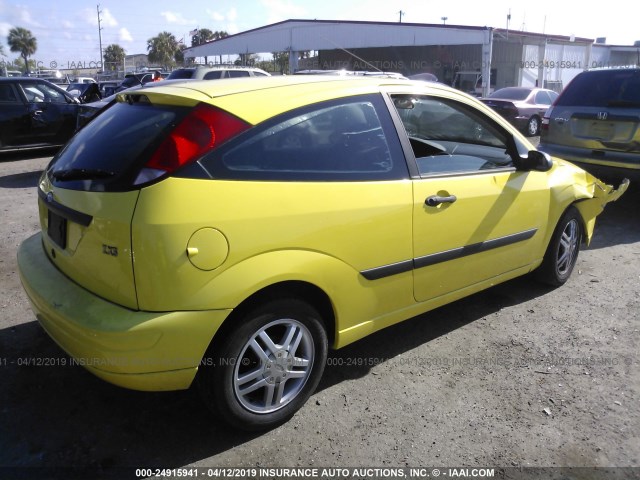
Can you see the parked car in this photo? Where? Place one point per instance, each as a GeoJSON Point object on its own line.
{"type": "Point", "coordinates": [135, 79]}
{"type": "Point", "coordinates": [226, 234]}
{"type": "Point", "coordinates": [524, 107]}
{"type": "Point", "coordinates": [108, 87]}
{"type": "Point", "coordinates": [205, 72]}
{"type": "Point", "coordinates": [35, 113]}
{"type": "Point", "coordinates": [596, 122]}
{"type": "Point", "coordinates": [85, 92]}
{"type": "Point", "coordinates": [89, 110]}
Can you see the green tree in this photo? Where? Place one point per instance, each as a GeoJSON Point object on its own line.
{"type": "Point", "coordinates": [162, 49]}
{"type": "Point", "coordinates": [113, 57]}
{"type": "Point", "coordinates": [247, 59]}
{"type": "Point", "coordinates": [22, 41]}
{"type": "Point", "coordinates": [205, 35]}
{"type": "Point", "coordinates": [281, 61]}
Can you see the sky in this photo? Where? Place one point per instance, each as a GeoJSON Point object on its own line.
{"type": "Point", "coordinates": [67, 30]}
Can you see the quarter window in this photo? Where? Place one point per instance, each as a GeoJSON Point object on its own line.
{"type": "Point", "coordinates": [341, 140]}
{"type": "Point", "coordinates": [451, 137]}
{"type": "Point", "coordinates": [543, 98]}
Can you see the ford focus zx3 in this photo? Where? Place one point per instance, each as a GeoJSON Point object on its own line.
{"type": "Point", "coordinates": [226, 234]}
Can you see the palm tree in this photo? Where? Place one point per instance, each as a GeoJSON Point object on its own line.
{"type": "Point", "coordinates": [162, 49]}
{"type": "Point", "coordinates": [22, 40]}
{"type": "Point", "coordinates": [113, 56]}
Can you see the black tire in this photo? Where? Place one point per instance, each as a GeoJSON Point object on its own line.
{"type": "Point", "coordinates": [281, 347]}
{"type": "Point", "coordinates": [563, 249]}
{"type": "Point", "coordinates": [533, 127]}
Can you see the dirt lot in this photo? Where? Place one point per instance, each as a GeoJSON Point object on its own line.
{"type": "Point", "coordinates": [520, 375]}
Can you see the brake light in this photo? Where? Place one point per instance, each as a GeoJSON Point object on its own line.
{"type": "Point", "coordinates": [203, 129]}
{"type": "Point", "coordinates": [545, 124]}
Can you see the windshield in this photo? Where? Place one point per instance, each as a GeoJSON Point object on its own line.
{"type": "Point", "coordinates": [612, 88]}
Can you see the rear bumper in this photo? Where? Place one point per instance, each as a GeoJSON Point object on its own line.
{"type": "Point", "coordinates": [606, 164]}
{"type": "Point", "coordinates": [132, 349]}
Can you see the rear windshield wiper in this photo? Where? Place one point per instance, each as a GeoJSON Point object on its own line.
{"type": "Point", "coordinates": [623, 103]}
{"type": "Point", "coordinates": [81, 174]}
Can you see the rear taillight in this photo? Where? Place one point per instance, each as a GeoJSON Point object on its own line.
{"type": "Point", "coordinates": [545, 124]}
{"type": "Point", "coordinates": [203, 129]}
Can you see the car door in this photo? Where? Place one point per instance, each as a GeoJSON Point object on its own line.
{"type": "Point", "coordinates": [52, 113]}
{"type": "Point", "coordinates": [14, 117]}
{"type": "Point", "coordinates": [475, 217]}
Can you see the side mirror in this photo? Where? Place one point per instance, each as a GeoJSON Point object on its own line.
{"type": "Point", "coordinates": [535, 160]}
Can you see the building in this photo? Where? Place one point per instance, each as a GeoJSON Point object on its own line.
{"type": "Point", "coordinates": [493, 57]}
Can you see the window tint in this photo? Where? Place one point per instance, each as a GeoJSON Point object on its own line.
{"type": "Point", "coordinates": [115, 144]}
{"type": "Point", "coordinates": [6, 93]}
{"type": "Point", "coordinates": [613, 88]}
{"type": "Point", "coordinates": [450, 137]}
{"type": "Point", "coordinates": [214, 75]}
{"type": "Point", "coordinates": [41, 92]}
{"type": "Point", "coordinates": [237, 73]}
{"type": "Point", "coordinates": [341, 140]}
{"type": "Point", "coordinates": [511, 93]}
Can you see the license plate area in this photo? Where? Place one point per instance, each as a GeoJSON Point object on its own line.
{"type": "Point", "coordinates": [57, 229]}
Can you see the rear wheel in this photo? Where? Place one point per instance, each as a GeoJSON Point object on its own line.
{"type": "Point", "coordinates": [562, 252]}
{"type": "Point", "coordinates": [533, 126]}
{"type": "Point", "coordinates": [266, 368]}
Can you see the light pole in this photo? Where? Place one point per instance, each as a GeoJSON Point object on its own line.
{"type": "Point", "coordinates": [444, 20]}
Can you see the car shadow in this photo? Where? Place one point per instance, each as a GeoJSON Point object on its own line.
{"type": "Point", "coordinates": [21, 180]}
{"type": "Point", "coordinates": [17, 155]}
{"type": "Point", "coordinates": [619, 223]}
{"type": "Point", "coordinates": [55, 414]}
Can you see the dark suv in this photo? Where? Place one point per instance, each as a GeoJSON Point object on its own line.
{"type": "Point", "coordinates": [596, 122]}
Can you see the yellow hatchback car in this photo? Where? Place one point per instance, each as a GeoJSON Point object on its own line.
{"type": "Point", "coordinates": [228, 233]}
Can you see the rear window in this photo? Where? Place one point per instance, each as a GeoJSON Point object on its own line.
{"type": "Point", "coordinates": [511, 93]}
{"type": "Point", "coordinates": [612, 88]}
{"type": "Point", "coordinates": [108, 153]}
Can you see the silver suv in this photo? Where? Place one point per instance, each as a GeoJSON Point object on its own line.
{"type": "Point", "coordinates": [204, 72]}
{"type": "Point", "coordinates": [596, 122]}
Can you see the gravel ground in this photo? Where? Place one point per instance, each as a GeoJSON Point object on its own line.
{"type": "Point", "coordinates": [519, 375]}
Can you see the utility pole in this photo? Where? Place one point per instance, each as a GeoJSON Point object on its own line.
{"type": "Point", "coordinates": [100, 36]}
{"type": "Point", "coordinates": [401, 13]}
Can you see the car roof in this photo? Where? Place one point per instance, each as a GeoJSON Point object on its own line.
{"type": "Point", "coordinates": [255, 99]}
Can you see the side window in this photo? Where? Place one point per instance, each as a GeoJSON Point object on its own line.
{"type": "Point", "coordinates": [450, 137]}
{"type": "Point", "coordinates": [213, 75]}
{"type": "Point", "coordinates": [339, 140]}
{"type": "Point", "coordinates": [237, 73]}
{"type": "Point", "coordinates": [41, 93]}
{"type": "Point", "coordinates": [542, 98]}
{"type": "Point", "coordinates": [7, 94]}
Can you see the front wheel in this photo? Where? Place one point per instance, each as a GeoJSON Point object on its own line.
{"type": "Point", "coordinates": [562, 252]}
{"type": "Point", "coordinates": [266, 368]}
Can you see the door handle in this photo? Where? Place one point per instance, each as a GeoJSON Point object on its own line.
{"type": "Point", "coordinates": [435, 200]}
